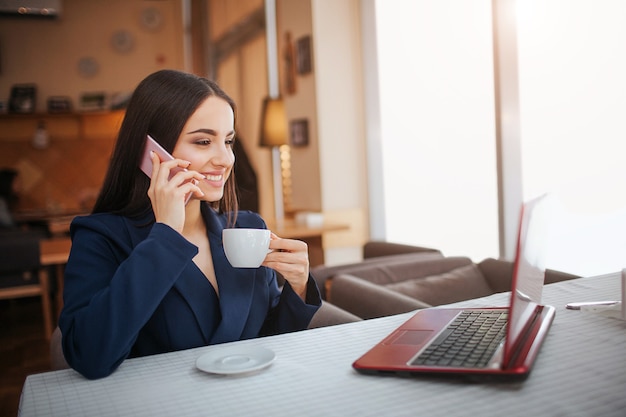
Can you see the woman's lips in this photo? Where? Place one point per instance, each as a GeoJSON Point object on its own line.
{"type": "Point", "coordinates": [214, 180]}
{"type": "Point", "coordinates": [210, 177]}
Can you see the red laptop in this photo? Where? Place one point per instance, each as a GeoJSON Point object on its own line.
{"type": "Point", "coordinates": [476, 342]}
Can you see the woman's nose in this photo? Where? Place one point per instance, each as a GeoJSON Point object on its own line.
{"type": "Point", "coordinates": [224, 156]}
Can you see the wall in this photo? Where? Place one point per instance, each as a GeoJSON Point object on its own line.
{"type": "Point", "coordinates": [66, 176]}
{"type": "Point", "coordinates": [294, 18]}
{"type": "Point", "coordinates": [328, 174]}
{"type": "Point", "coordinates": [47, 52]}
{"type": "Point", "coordinates": [341, 122]}
{"type": "Point", "coordinates": [243, 75]}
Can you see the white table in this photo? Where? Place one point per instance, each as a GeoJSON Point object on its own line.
{"type": "Point", "coordinates": [581, 371]}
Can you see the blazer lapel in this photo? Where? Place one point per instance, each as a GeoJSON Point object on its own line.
{"type": "Point", "coordinates": [197, 292]}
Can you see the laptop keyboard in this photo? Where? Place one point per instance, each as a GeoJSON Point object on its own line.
{"type": "Point", "coordinates": [468, 342]}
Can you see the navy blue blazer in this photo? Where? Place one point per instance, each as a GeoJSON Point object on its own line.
{"type": "Point", "coordinates": [132, 289]}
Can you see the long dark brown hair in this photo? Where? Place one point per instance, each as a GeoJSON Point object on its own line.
{"type": "Point", "coordinates": [160, 106]}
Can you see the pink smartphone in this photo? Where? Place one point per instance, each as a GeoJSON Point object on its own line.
{"type": "Point", "coordinates": [146, 161]}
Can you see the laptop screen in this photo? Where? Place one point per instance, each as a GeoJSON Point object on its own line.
{"type": "Point", "coordinates": [529, 270]}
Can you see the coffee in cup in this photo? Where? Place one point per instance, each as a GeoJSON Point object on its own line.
{"type": "Point", "coordinates": [246, 248]}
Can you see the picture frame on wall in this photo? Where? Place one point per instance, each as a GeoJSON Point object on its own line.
{"type": "Point", "coordinates": [23, 98]}
{"type": "Point", "coordinates": [95, 101]}
{"type": "Point", "coordinates": [59, 104]}
{"type": "Point", "coordinates": [304, 57]}
{"type": "Point", "coordinates": [299, 133]}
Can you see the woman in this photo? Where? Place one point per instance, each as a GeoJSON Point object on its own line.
{"type": "Point", "coordinates": [147, 273]}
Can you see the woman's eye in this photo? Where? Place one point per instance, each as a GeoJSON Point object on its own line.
{"type": "Point", "coordinates": [204, 142]}
{"type": "Point", "coordinates": [230, 142]}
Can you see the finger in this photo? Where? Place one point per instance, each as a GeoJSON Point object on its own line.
{"type": "Point", "coordinates": [296, 274]}
{"type": "Point", "coordinates": [288, 271]}
{"type": "Point", "coordinates": [187, 176]}
{"type": "Point", "coordinates": [288, 245]}
{"type": "Point", "coordinates": [156, 163]}
{"type": "Point", "coordinates": [285, 258]}
{"type": "Point", "coordinates": [172, 167]}
{"type": "Point", "coordinates": [192, 187]}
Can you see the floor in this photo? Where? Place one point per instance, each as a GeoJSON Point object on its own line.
{"type": "Point", "coordinates": [24, 349]}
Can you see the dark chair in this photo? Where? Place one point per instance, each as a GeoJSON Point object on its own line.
{"type": "Point", "coordinates": [21, 273]}
{"type": "Point", "coordinates": [57, 359]}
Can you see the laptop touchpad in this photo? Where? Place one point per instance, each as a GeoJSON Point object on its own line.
{"type": "Point", "coordinates": [410, 337]}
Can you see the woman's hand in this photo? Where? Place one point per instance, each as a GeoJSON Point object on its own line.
{"type": "Point", "coordinates": [290, 258]}
{"type": "Point", "coordinates": [167, 195]}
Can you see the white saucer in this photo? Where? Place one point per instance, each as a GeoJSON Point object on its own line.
{"type": "Point", "coordinates": [235, 360]}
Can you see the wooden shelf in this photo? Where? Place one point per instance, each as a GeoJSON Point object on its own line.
{"type": "Point", "coordinates": [45, 115]}
{"type": "Point", "coordinates": [76, 125]}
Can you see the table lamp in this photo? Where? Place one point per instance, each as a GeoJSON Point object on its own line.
{"type": "Point", "coordinates": [274, 134]}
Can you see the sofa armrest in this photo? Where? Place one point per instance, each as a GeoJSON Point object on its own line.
{"type": "Point", "coordinates": [368, 300]}
{"type": "Point", "coordinates": [330, 315]}
{"type": "Point", "coordinates": [375, 248]}
{"type": "Point", "coordinates": [499, 274]}
{"type": "Point", "coordinates": [407, 269]}
{"type": "Point", "coordinates": [557, 276]}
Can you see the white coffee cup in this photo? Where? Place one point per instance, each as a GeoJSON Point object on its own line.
{"type": "Point", "coordinates": [246, 248]}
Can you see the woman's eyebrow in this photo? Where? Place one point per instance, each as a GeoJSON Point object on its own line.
{"type": "Point", "coordinates": [210, 132]}
{"type": "Point", "coordinates": [207, 131]}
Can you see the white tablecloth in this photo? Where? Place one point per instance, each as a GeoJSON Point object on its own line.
{"type": "Point", "coordinates": [581, 371]}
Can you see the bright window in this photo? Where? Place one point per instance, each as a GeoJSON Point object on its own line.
{"type": "Point", "coordinates": [437, 125]}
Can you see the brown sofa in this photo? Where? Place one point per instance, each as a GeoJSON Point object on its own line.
{"type": "Point", "coordinates": [414, 278]}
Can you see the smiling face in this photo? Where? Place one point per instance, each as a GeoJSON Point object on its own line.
{"type": "Point", "coordinates": [207, 142]}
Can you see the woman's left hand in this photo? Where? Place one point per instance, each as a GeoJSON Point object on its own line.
{"type": "Point", "coordinates": [290, 258]}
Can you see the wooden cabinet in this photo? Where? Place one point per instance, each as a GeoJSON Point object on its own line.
{"type": "Point", "coordinates": [66, 174]}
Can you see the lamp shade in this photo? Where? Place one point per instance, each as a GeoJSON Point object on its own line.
{"type": "Point", "coordinates": [273, 123]}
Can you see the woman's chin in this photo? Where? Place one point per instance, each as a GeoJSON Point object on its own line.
{"type": "Point", "coordinates": [211, 196]}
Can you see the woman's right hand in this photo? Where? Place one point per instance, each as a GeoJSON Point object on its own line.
{"type": "Point", "coordinates": [168, 196]}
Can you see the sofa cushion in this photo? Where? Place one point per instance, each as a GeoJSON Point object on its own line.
{"type": "Point", "coordinates": [459, 284]}
{"type": "Point", "coordinates": [367, 300]}
{"type": "Point", "coordinates": [389, 273]}
{"type": "Point", "coordinates": [322, 273]}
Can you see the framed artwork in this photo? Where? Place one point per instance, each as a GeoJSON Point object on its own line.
{"type": "Point", "coordinates": [23, 98]}
{"type": "Point", "coordinates": [304, 58]}
{"type": "Point", "coordinates": [59, 104]}
{"type": "Point", "coordinates": [93, 101]}
{"type": "Point", "coordinates": [299, 132]}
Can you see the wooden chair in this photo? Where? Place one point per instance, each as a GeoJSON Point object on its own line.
{"type": "Point", "coordinates": [21, 273]}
